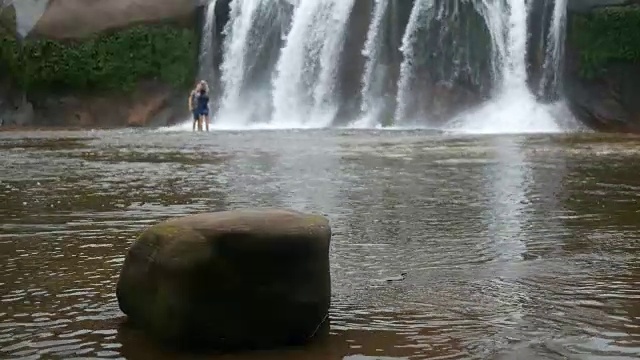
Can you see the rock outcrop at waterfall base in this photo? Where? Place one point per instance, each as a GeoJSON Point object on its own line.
{"type": "Point", "coordinates": [602, 64]}
{"type": "Point", "coordinates": [233, 280]}
{"type": "Point", "coordinates": [94, 63]}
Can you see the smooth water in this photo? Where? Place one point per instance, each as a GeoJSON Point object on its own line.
{"type": "Point", "coordinates": [515, 246]}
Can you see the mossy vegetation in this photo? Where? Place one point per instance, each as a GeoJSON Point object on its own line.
{"type": "Point", "coordinates": [606, 36]}
{"type": "Point", "coordinates": [113, 61]}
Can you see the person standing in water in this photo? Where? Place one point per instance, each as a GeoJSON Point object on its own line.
{"type": "Point", "coordinates": [203, 104]}
{"type": "Point", "coordinates": [193, 106]}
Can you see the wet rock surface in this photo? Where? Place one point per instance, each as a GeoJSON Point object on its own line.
{"type": "Point", "coordinates": [602, 66]}
{"type": "Point", "coordinates": [255, 278]}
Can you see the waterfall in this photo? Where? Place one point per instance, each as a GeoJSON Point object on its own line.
{"type": "Point", "coordinates": [253, 38]}
{"type": "Point", "coordinates": [205, 70]}
{"type": "Point", "coordinates": [513, 108]}
{"type": "Point", "coordinates": [419, 19]}
{"type": "Point", "coordinates": [28, 12]}
{"type": "Point", "coordinates": [238, 39]}
{"type": "Point", "coordinates": [372, 79]}
{"type": "Point", "coordinates": [552, 68]}
{"type": "Point", "coordinates": [306, 76]}
{"type": "Point", "coordinates": [282, 64]}
{"type": "Point", "coordinates": [515, 63]}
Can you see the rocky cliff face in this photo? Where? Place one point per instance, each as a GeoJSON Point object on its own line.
{"type": "Point", "coordinates": [63, 19]}
{"type": "Point", "coordinates": [602, 72]}
{"type": "Point", "coordinates": [96, 63]}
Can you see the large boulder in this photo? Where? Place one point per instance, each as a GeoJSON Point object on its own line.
{"type": "Point", "coordinates": [240, 279]}
{"type": "Point", "coordinates": [602, 68]}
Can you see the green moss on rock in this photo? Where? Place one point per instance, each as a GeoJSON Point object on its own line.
{"type": "Point", "coordinates": [606, 36]}
{"type": "Point", "coordinates": [104, 62]}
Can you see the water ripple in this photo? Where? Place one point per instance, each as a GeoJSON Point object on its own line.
{"type": "Point", "coordinates": [515, 247]}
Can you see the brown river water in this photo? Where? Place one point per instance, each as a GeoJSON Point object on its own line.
{"type": "Point", "coordinates": [516, 247]}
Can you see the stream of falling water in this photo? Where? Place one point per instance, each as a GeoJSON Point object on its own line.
{"type": "Point", "coordinates": [237, 44]}
{"type": "Point", "coordinates": [419, 18]}
{"type": "Point", "coordinates": [552, 70]}
{"type": "Point", "coordinates": [206, 68]}
{"type": "Point", "coordinates": [372, 79]}
{"type": "Point", "coordinates": [514, 108]}
{"type": "Point", "coordinates": [306, 76]}
{"type": "Point", "coordinates": [300, 89]}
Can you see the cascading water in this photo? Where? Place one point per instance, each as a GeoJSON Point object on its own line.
{"type": "Point", "coordinates": [419, 19]}
{"type": "Point", "coordinates": [239, 37]}
{"type": "Point", "coordinates": [552, 68]}
{"type": "Point", "coordinates": [513, 108]}
{"type": "Point", "coordinates": [28, 12]}
{"type": "Point", "coordinates": [306, 76]}
{"type": "Point", "coordinates": [205, 70]}
{"type": "Point", "coordinates": [372, 87]}
{"type": "Point", "coordinates": [282, 59]}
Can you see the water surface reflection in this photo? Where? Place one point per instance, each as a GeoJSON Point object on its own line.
{"type": "Point", "coordinates": [516, 247]}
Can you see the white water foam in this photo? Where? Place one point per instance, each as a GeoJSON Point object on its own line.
{"type": "Point", "coordinates": [514, 109]}
{"type": "Point", "coordinates": [187, 125]}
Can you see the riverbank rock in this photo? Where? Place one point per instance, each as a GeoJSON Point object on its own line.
{"type": "Point", "coordinates": [15, 109]}
{"type": "Point", "coordinates": [240, 279]}
{"type": "Point", "coordinates": [602, 68]}
{"type": "Point", "coordinates": [151, 103]}
{"type": "Point", "coordinates": [74, 19]}
{"type": "Point", "coordinates": [108, 63]}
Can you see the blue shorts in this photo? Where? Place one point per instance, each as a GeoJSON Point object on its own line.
{"type": "Point", "coordinates": [204, 112]}
{"type": "Point", "coordinates": [196, 115]}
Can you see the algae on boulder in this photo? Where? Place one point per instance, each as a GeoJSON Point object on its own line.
{"type": "Point", "coordinates": [230, 280]}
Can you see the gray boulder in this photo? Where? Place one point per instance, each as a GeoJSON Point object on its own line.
{"type": "Point", "coordinates": [230, 280]}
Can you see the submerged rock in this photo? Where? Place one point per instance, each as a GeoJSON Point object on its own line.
{"type": "Point", "coordinates": [230, 280]}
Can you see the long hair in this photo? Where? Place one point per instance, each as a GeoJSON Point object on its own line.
{"type": "Point", "coordinates": [204, 86]}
